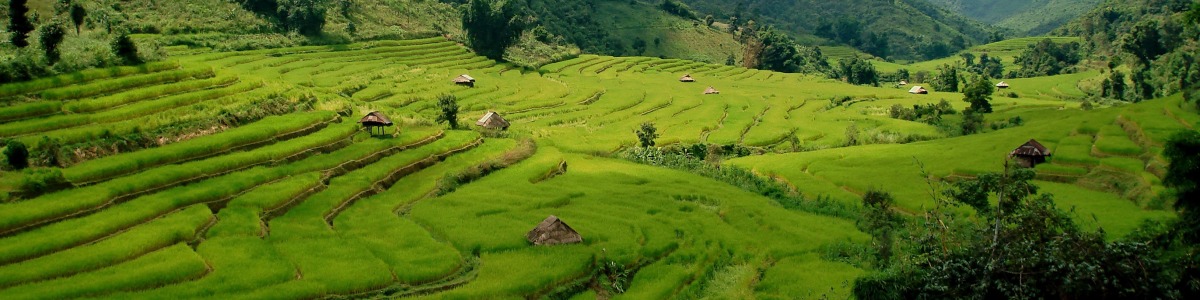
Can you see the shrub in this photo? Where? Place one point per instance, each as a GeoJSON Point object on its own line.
{"type": "Point", "coordinates": [124, 48]}
{"type": "Point", "coordinates": [449, 107]}
{"type": "Point", "coordinates": [40, 181]}
{"type": "Point", "coordinates": [50, 37]}
{"type": "Point", "coordinates": [16, 155]}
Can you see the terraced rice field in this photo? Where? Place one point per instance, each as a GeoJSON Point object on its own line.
{"type": "Point", "coordinates": [300, 202]}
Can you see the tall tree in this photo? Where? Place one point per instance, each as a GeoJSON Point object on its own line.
{"type": "Point", "coordinates": [449, 107]}
{"type": "Point", "coordinates": [77, 15]}
{"type": "Point", "coordinates": [51, 36]}
{"type": "Point", "coordinates": [18, 23]}
{"type": "Point", "coordinates": [492, 26]}
{"type": "Point", "coordinates": [646, 134]}
{"type": "Point", "coordinates": [1183, 175]}
{"type": "Point", "coordinates": [979, 94]}
{"type": "Point", "coordinates": [304, 16]}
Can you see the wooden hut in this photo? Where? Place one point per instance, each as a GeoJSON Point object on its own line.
{"type": "Point", "coordinates": [918, 90]}
{"type": "Point", "coordinates": [493, 120]}
{"type": "Point", "coordinates": [711, 91]}
{"type": "Point", "coordinates": [687, 78]}
{"type": "Point", "coordinates": [465, 79]}
{"type": "Point", "coordinates": [374, 120]}
{"type": "Point", "coordinates": [1002, 85]}
{"type": "Point", "coordinates": [1030, 154]}
{"type": "Point", "coordinates": [553, 231]}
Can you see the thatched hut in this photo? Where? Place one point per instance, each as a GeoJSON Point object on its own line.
{"type": "Point", "coordinates": [374, 120]}
{"type": "Point", "coordinates": [493, 120]}
{"type": "Point", "coordinates": [1030, 154]}
{"type": "Point", "coordinates": [687, 78]}
{"type": "Point", "coordinates": [465, 79]}
{"type": "Point", "coordinates": [903, 83]}
{"type": "Point", "coordinates": [553, 231]}
{"type": "Point", "coordinates": [1002, 85]}
{"type": "Point", "coordinates": [711, 91]}
{"type": "Point", "coordinates": [918, 90]}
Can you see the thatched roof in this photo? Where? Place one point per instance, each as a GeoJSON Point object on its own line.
{"type": "Point", "coordinates": [375, 119]}
{"type": "Point", "coordinates": [553, 231]}
{"type": "Point", "coordinates": [1003, 85]}
{"type": "Point", "coordinates": [902, 82]}
{"type": "Point", "coordinates": [1030, 148]}
{"type": "Point", "coordinates": [464, 78]}
{"type": "Point", "coordinates": [916, 89]}
{"type": "Point", "coordinates": [710, 90]}
{"type": "Point", "coordinates": [493, 120]}
{"type": "Point", "coordinates": [687, 78]}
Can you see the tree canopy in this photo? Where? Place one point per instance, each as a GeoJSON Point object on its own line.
{"type": "Point", "coordinates": [492, 26]}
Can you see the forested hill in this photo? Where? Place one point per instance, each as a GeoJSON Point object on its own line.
{"type": "Point", "coordinates": [898, 29]}
{"type": "Point", "coordinates": [1023, 17]}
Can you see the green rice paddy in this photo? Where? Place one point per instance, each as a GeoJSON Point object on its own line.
{"type": "Point", "coordinates": [305, 204]}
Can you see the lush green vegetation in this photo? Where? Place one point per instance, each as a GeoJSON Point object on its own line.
{"type": "Point", "coordinates": [216, 174]}
{"type": "Point", "coordinates": [1022, 17]}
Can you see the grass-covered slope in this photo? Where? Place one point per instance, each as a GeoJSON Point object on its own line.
{"type": "Point", "coordinates": [302, 203]}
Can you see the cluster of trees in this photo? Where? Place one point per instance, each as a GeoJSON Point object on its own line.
{"type": "Point", "coordinates": [850, 32]}
{"type": "Point", "coordinates": [1047, 58]}
{"type": "Point", "coordinates": [855, 70]}
{"type": "Point", "coordinates": [1156, 39]}
{"type": "Point", "coordinates": [929, 113]}
{"type": "Point", "coordinates": [1021, 246]}
{"type": "Point", "coordinates": [492, 27]}
{"type": "Point", "coordinates": [304, 16]}
{"type": "Point", "coordinates": [986, 66]}
{"type": "Point", "coordinates": [43, 58]}
{"type": "Point", "coordinates": [769, 49]}
{"type": "Point", "coordinates": [675, 7]}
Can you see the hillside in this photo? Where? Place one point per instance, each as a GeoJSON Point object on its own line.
{"type": "Point", "coordinates": [259, 161]}
{"type": "Point", "coordinates": [908, 29]}
{"type": "Point", "coordinates": [1023, 17]}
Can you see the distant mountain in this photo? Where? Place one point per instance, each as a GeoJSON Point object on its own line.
{"type": "Point", "coordinates": [1025, 17]}
{"type": "Point", "coordinates": [896, 29]}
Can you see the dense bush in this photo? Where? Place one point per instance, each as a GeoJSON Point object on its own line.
{"type": "Point", "coordinates": [1047, 58]}
{"type": "Point", "coordinates": [492, 27]}
{"type": "Point", "coordinates": [855, 70]}
{"type": "Point", "coordinates": [36, 182]}
{"type": "Point", "coordinates": [16, 154]}
{"type": "Point", "coordinates": [929, 113]}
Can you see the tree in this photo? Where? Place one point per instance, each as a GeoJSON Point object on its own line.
{"type": "Point", "coordinates": [979, 94]}
{"type": "Point", "coordinates": [492, 28]}
{"type": "Point", "coordinates": [879, 220]}
{"type": "Point", "coordinates": [646, 135]}
{"type": "Point", "coordinates": [856, 70]}
{"type": "Point", "coordinates": [16, 154]}
{"type": "Point", "coordinates": [51, 36]}
{"type": "Point", "coordinates": [77, 15]}
{"type": "Point", "coordinates": [972, 121]}
{"type": "Point", "coordinates": [124, 47]}
{"type": "Point", "coordinates": [946, 80]}
{"type": "Point", "coordinates": [449, 106]}
{"type": "Point", "coordinates": [1183, 175]}
{"type": "Point", "coordinates": [709, 20]}
{"type": "Point", "coordinates": [18, 23]}
{"type": "Point", "coordinates": [1022, 247]}
{"type": "Point", "coordinates": [852, 135]}
{"type": "Point", "coordinates": [1046, 58]}
{"type": "Point", "coordinates": [304, 16]}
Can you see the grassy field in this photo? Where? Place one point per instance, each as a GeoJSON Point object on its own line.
{"type": "Point", "coordinates": [302, 203]}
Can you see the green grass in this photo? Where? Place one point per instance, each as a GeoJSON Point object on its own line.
{"type": "Point", "coordinates": [301, 212]}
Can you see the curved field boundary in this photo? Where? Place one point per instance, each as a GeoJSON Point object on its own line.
{"type": "Point", "coordinates": [13, 89]}
{"type": "Point", "coordinates": [101, 87]}
{"type": "Point", "coordinates": [21, 216]}
{"type": "Point", "coordinates": [264, 132]}
{"type": "Point", "coordinates": [170, 265]}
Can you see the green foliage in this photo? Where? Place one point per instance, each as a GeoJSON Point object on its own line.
{"type": "Point", "coordinates": [304, 16]}
{"type": "Point", "coordinates": [646, 135]}
{"type": "Point", "coordinates": [1024, 247]}
{"type": "Point", "coordinates": [773, 50]}
{"type": "Point", "coordinates": [856, 70]}
{"type": "Point", "coordinates": [1026, 17]}
{"type": "Point", "coordinates": [972, 122]}
{"type": "Point", "coordinates": [1047, 58]}
{"type": "Point", "coordinates": [1183, 175]}
{"type": "Point", "coordinates": [929, 113]}
{"type": "Point", "coordinates": [852, 135]}
{"type": "Point", "coordinates": [879, 220]}
{"type": "Point", "coordinates": [448, 105]}
{"type": "Point", "coordinates": [979, 94]}
{"type": "Point", "coordinates": [18, 22]}
{"type": "Point", "coordinates": [675, 7]}
{"type": "Point", "coordinates": [492, 26]}
{"type": "Point", "coordinates": [124, 47]}
{"type": "Point", "coordinates": [77, 15]}
{"type": "Point", "coordinates": [50, 36]}
{"type": "Point", "coordinates": [35, 182]}
{"type": "Point", "coordinates": [947, 79]}
{"type": "Point", "coordinates": [16, 154]}
{"type": "Point", "coordinates": [987, 66]}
